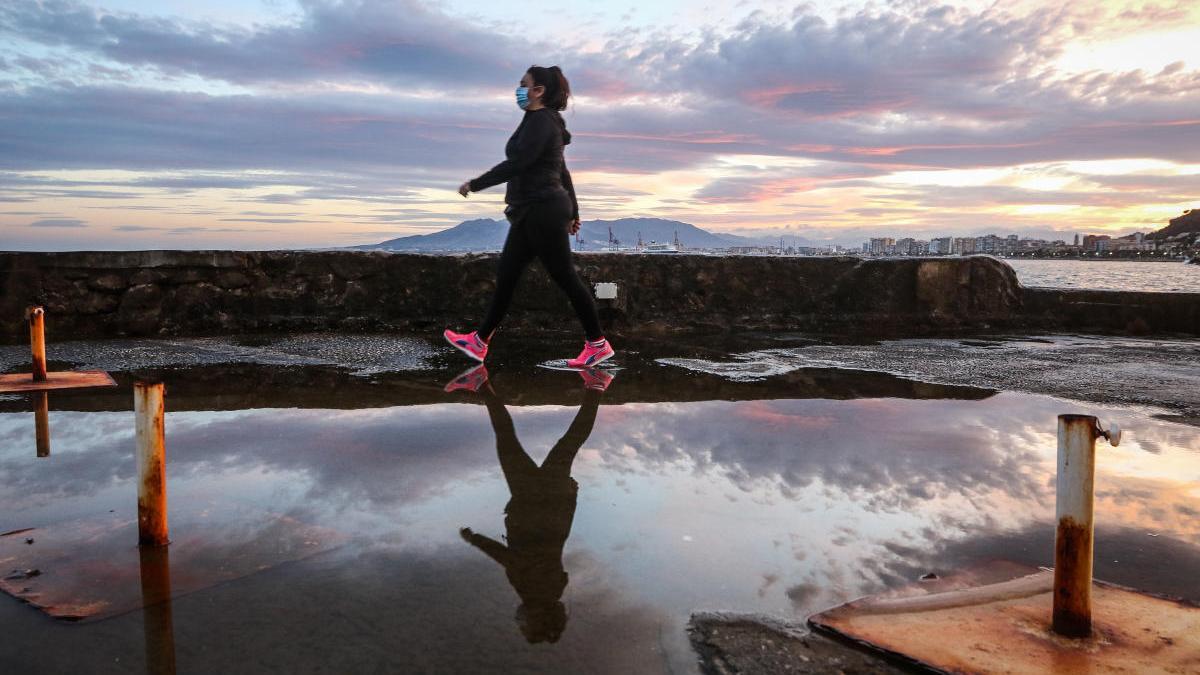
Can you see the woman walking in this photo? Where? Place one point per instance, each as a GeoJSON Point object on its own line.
{"type": "Point", "coordinates": [542, 213]}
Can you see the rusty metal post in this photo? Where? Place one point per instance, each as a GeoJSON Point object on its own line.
{"type": "Point", "coordinates": [37, 341]}
{"type": "Point", "coordinates": [1073, 543]}
{"type": "Point", "coordinates": [41, 422]}
{"type": "Point", "coordinates": [148, 411]}
{"type": "Point", "coordinates": [1075, 498]}
{"type": "Point", "coordinates": [158, 627]}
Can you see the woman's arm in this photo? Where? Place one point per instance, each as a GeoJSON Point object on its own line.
{"type": "Point", "coordinates": [570, 186]}
{"type": "Point", "coordinates": [494, 549]}
{"type": "Point", "coordinates": [530, 143]}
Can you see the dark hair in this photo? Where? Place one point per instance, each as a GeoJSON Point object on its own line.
{"type": "Point", "coordinates": [558, 90]}
{"type": "Point", "coordinates": [541, 621]}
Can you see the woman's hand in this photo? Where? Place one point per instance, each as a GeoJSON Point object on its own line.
{"type": "Point", "coordinates": [574, 226]}
{"type": "Point", "coordinates": [465, 188]}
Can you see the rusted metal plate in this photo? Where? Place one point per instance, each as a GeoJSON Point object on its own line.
{"type": "Point", "coordinates": [1005, 628]}
{"type": "Point", "coordinates": [71, 379]}
{"type": "Point", "coordinates": [90, 569]}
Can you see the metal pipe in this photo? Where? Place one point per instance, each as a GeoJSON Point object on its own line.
{"type": "Point", "coordinates": [148, 412]}
{"type": "Point", "coordinates": [37, 341]}
{"type": "Point", "coordinates": [41, 422]}
{"type": "Point", "coordinates": [1073, 544]}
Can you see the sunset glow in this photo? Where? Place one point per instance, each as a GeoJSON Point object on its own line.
{"type": "Point", "coordinates": [281, 124]}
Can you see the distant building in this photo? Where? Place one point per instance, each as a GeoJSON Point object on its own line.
{"type": "Point", "coordinates": [1092, 242]}
{"type": "Point", "coordinates": [1119, 245]}
{"type": "Point", "coordinates": [882, 246]}
{"type": "Point", "coordinates": [941, 246]}
{"type": "Point", "coordinates": [989, 244]}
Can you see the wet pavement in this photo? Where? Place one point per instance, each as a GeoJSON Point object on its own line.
{"type": "Point", "coordinates": [543, 526]}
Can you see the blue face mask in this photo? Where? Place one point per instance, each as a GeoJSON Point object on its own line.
{"type": "Point", "coordinates": [522, 97]}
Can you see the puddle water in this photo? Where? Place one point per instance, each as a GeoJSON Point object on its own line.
{"type": "Point", "coordinates": [552, 528]}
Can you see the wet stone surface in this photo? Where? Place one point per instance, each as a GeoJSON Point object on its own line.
{"type": "Point", "coordinates": [545, 523]}
{"type": "Point", "coordinates": [1163, 373]}
{"type": "Point", "coordinates": [757, 645]}
{"type": "Point", "coordinates": [360, 354]}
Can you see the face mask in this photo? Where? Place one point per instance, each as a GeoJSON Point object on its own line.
{"type": "Point", "coordinates": [522, 97]}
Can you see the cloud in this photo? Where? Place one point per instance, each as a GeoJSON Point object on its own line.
{"type": "Point", "coordinates": [58, 222]}
{"type": "Point", "coordinates": [399, 43]}
{"type": "Point", "coordinates": [766, 184]}
{"type": "Point", "coordinates": [868, 62]}
{"type": "Point", "coordinates": [265, 220]}
{"type": "Point", "coordinates": [387, 102]}
{"type": "Point", "coordinates": [190, 229]}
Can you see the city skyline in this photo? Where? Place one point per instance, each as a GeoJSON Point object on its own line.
{"type": "Point", "coordinates": [277, 124]}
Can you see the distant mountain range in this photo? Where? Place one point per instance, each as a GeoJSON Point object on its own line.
{"type": "Point", "coordinates": [485, 234]}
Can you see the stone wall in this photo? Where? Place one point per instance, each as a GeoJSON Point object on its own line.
{"type": "Point", "coordinates": [1135, 313]}
{"type": "Point", "coordinates": [152, 293]}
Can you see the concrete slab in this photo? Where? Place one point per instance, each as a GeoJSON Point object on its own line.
{"type": "Point", "coordinates": [1005, 628]}
{"type": "Point", "coordinates": [71, 379]}
{"type": "Point", "coordinates": [93, 568]}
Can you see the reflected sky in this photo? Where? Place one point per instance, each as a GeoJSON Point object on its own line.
{"type": "Point", "coordinates": [783, 505]}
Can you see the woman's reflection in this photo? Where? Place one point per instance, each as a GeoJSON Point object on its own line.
{"type": "Point", "coordinates": [538, 517]}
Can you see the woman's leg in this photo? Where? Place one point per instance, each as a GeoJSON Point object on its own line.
{"type": "Point", "coordinates": [514, 258]}
{"type": "Point", "coordinates": [520, 471]}
{"type": "Point", "coordinates": [548, 223]}
{"type": "Point", "coordinates": [557, 465]}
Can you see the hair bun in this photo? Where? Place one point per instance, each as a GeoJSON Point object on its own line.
{"type": "Point", "coordinates": [558, 89]}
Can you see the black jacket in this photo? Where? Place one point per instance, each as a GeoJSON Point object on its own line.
{"type": "Point", "coordinates": [534, 169]}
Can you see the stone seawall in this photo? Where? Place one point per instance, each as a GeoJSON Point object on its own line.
{"type": "Point", "coordinates": [163, 293]}
{"type": "Point", "coordinates": [1136, 313]}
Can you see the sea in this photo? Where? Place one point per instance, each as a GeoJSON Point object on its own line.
{"type": "Point", "coordinates": [1109, 275]}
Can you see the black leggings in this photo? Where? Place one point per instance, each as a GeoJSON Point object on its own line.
{"type": "Point", "coordinates": [540, 230]}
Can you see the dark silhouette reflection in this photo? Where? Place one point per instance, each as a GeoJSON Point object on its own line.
{"type": "Point", "coordinates": [538, 517]}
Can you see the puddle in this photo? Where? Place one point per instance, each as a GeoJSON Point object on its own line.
{"type": "Point", "coordinates": [543, 526]}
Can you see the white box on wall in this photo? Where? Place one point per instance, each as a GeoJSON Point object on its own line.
{"type": "Point", "coordinates": [606, 290]}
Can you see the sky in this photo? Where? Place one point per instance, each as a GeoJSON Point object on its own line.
{"type": "Point", "coordinates": [262, 124]}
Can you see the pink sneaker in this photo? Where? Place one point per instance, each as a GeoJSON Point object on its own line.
{"type": "Point", "coordinates": [595, 378]}
{"type": "Point", "coordinates": [468, 343]}
{"type": "Point", "coordinates": [593, 353]}
{"type": "Point", "coordinates": [470, 379]}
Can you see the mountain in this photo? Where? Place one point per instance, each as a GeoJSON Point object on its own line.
{"type": "Point", "coordinates": [1189, 222]}
{"type": "Point", "coordinates": [485, 234]}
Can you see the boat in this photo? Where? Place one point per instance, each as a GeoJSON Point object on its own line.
{"type": "Point", "coordinates": [654, 247]}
